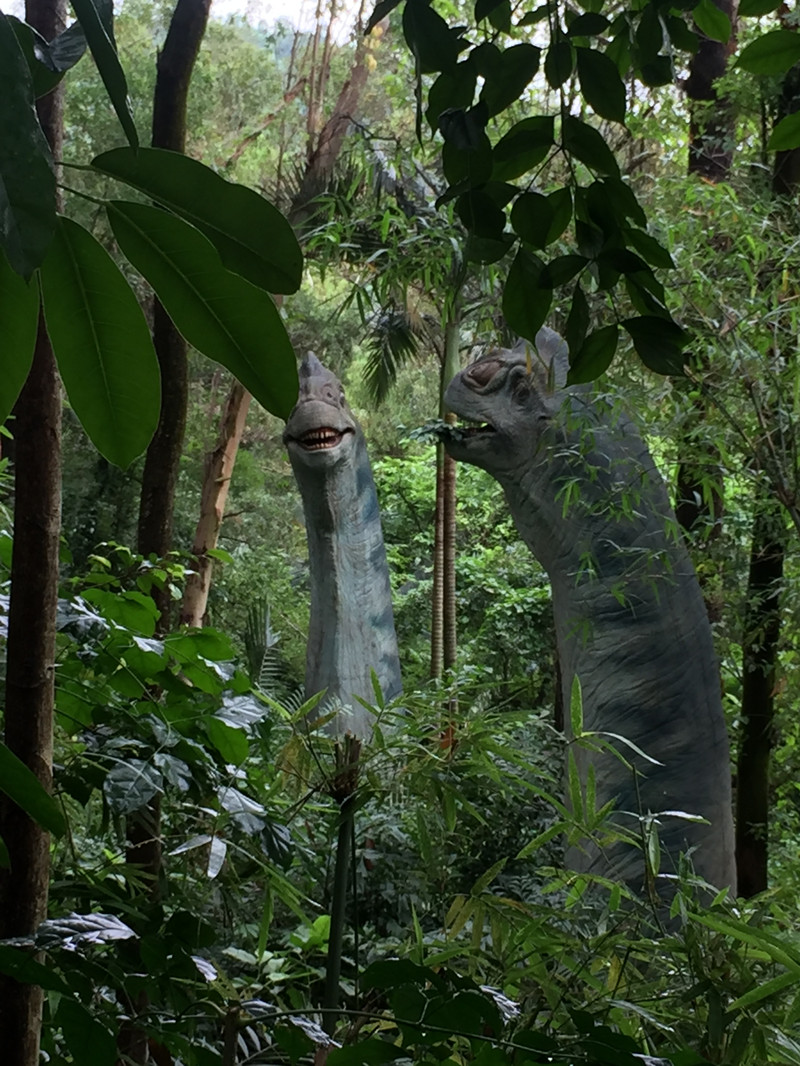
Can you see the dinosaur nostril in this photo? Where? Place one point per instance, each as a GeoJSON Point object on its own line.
{"type": "Point", "coordinates": [482, 373]}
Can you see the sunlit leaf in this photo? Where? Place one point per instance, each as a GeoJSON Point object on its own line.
{"type": "Point", "coordinates": [773, 53]}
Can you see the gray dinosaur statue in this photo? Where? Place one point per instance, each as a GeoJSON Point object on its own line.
{"type": "Point", "coordinates": [630, 620]}
{"type": "Point", "coordinates": [351, 630]}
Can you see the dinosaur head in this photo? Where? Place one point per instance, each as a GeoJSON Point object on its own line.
{"type": "Point", "coordinates": [508, 398]}
{"type": "Point", "coordinates": [321, 430]}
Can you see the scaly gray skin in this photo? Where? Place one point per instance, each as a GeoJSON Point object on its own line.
{"type": "Point", "coordinates": [351, 629]}
{"type": "Point", "coordinates": [630, 619]}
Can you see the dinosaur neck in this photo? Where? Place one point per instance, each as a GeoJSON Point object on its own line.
{"type": "Point", "coordinates": [351, 629]}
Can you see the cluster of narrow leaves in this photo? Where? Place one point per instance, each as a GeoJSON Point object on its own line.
{"type": "Point", "coordinates": [493, 181]}
{"type": "Point", "coordinates": [212, 251]}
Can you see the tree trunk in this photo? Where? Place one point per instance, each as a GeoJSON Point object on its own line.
{"type": "Point", "coordinates": [162, 462]}
{"type": "Point", "coordinates": [762, 629]}
{"type": "Point", "coordinates": [786, 174]}
{"type": "Point", "coordinates": [157, 504]}
{"type": "Point", "coordinates": [216, 483]}
{"type": "Point", "coordinates": [712, 128]}
{"type": "Point", "coordinates": [29, 691]}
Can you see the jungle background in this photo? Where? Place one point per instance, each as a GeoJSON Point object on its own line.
{"type": "Point", "coordinates": [179, 714]}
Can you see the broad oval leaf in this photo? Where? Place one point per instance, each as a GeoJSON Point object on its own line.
{"type": "Point", "coordinates": [524, 146]}
{"type": "Point", "coordinates": [525, 304]}
{"type": "Point", "coordinates": [129, 786]}
{"type": "Point", "coordinates": [219, 313]}
{"type": "Point", "coordinates": [713, 22]}
{"type": "Point", "coordinates": [601, 85]}
{"type": "Point", "coordinates": [88, 1041]}
{"type": "Point", "coordinates": [594, 356]}
{"type": "Point", "coordinates": [754, 8]}
{"type": "Point", "coordinates": [481, 215]}
{"type": "Point", "coordinates": [102, 344]}
{"type": "Point", "coordinates": [786, 134]}
{"type": "Point", "coordinates": [559, 63]}
{"type": "Point", "coordinates": [453, 90]}
{"type": "Point", "coordinates": [434, 45]}
{"type": "Point", "coordinates": [561, 270]}
{"type": "Point", "coordinates": [588, 25]}
{"type": "Point", "coordinates": [649, 248]}
{"type": "Point", "coordinates": [251, 235]}
{"type": "Point", "coordinates": [27, 181]}
{"type": "Point", "coordinates": [588, 145]}
{"type": "Point", "coordinates": [659, 343]}
{"type": "Point", "coordinates": [104, 51]}
{"type": "Point", "coordinates": [577, 320]}
{"type": "Point", "coordinates": [514, 70]}
{"type": "Point", "coordinates": [26, 790]}
{"type": "Point", "coordinates": [774, 53]}
{"type": "Point", "coordinates": [540, 220]}
{"type": "Point", "coordinates": [19, 313]}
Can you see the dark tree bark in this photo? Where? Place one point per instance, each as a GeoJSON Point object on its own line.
{"type": "Point", "coordinates": [437, 592]}
{"type": "Point", "coordinates": [29, 689]}
{"type": "Point", "coordinates": [762, 628]}
{"type": "Point", "coordinates": [157, 503]}
{"type": "Point", "coordinates": [786, 174]}
{"type": "Point", "coordinates": [712, 120]}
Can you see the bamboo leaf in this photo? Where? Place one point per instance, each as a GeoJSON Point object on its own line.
{"type": "Point", "coordinates": [219, 313]}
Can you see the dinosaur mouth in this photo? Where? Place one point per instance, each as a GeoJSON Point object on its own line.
{"type": "Point", "coordinates": [316, 440]}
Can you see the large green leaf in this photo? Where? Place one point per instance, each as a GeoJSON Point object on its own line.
{"type": "Point", "coordinates": [19, 314]}
{"type": "Point", "coordinates": [104, 50]}
{"type": "Point", "coordinates": [89, 1042]}
{"type": "Point", "coordinates": [48, 62]}
{"type": "Point", "coordinates": [587, 144]}
{"type": "Point", "coordinates": [101, 343]}
{"type": "Point", "coordinates": [26, 790]}
{"type": "Point", "coordinates": [540, 220]}
{"type": "Point", "coordinates": [594, 356]}
{"type": "Point", "coordinates": [451, 90]}
{"type": "Point", "coordinates": [659, 343]}
{"type": "Point", "coordinates": [434, 45]}
{"type": "Point", "coordinates": [219, 313]}
{"type": "Point", "coordinates": [251, 236]}
{"type": "Point", "coordinates": [786, 134]}
{"type": "Point", "coordinates": [774, 53]}
{"type": "Point", "coordinates": [559, 62]}
{"type": "Point", "coordinates": [513, 70]}
{"type": "Point", "coordinates": [754, 8]}
{"type": "Point", "coordinates": [714, 23]}
{"type": "Point", "coordinates": [27, 182]}
{"type": "Point", "coordinates": [525, 145]}
{"type": "Point", "coordinates": [525, 303]}
{"type": "Point", "coordinates": [601, 85]}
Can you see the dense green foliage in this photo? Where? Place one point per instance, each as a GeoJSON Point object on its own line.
{"type": "Point", "coordinates": [467, 940]}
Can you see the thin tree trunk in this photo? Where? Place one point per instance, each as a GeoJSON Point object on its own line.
{"type": "Point", "coordinates": [450, 368]}
{"type": "Point", "coordinates": [786, 174]}
{"type": "Point", "coordinates": [157, 503]}
{"type": "Point", "coordinates": [29, 691]}
{"type": "Point", "coordinates": [216, 483]}
{"type": "Point", "coordinates": [437, 592]}
{"type": "Point", "coordinates": [762, 629]}
{"type": "Point", "coordinates": [160, 476]}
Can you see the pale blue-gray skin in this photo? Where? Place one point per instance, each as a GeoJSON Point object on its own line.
{"type": "Point", "coordinates": [630, 618]}
{"type": "Point", "coordinates": [351, 629]}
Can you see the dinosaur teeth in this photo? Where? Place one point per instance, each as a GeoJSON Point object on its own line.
{"type": "Point", "coordinates": [317, 439]}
